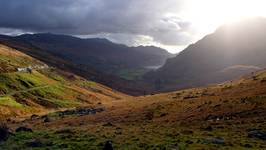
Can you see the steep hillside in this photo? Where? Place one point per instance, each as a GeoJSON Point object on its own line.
{"type": "Point", "coordinates": [99, 54]}
{"type": "Point", "coordinates": [28, 86]}
{"type": "Point", "coordinates": [233, 50]}
{"type": "Point", "coordinates": [88, 72]}
{"type": "Point", "coordinates": [225, 116]}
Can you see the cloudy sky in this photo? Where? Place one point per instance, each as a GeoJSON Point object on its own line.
{"type": "Point", "coordinates": [171, 24]}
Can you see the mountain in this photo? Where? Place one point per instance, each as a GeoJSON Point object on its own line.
{"type": "Point", "coordinates": [28, 85]}
{"type": "Point", "coordinates": [232, 50]}
{"type": "Point", "coordinates": [100, 54]}
{"type": "Point", "coordinates": [225, 116]}
{"type": "Point", "coordinates": [132, 87]}
{"type": "Point", "coordinates": [45, 107]}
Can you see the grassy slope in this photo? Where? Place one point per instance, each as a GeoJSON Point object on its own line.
{"type": "Point", "coordinates": [132, 74]}
{"type": "Point", "coordinates": [178, 120]}
{"type": "Point", "coordinates": [43, 90]}
{"type": "Point", "coordinates": [11, 59]}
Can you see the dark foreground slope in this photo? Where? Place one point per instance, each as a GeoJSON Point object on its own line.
{"type": "Point", "coordinates": [225, 116]}
{"type": "Point", "coordinates": [231, 51]}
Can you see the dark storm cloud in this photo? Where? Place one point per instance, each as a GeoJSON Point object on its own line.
{"type": "Point", "coordinates": [84, 17]}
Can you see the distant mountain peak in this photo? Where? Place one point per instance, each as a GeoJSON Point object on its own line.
{"type": "Point", "coordinates": [241, 43]}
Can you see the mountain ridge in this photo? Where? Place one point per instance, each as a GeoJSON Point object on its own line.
{"type": "Point", "coordinates": [101, 47]}
{"type": "Point", "coordinates": [86, 71]}
{"type": "Point", "coordinates": [201, 63]}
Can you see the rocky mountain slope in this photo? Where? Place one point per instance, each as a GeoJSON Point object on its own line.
{"type": "Point", "coordinates": [233, 50]}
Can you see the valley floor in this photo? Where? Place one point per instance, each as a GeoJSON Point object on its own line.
{"type": "Point", "coordinates": [227, 116]}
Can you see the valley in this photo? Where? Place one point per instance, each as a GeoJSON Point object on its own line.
{"type": "Point", "coordinates": [63, 92]}
{"type": "Point", "coordinates": [198, 118]}
{"type": "Point", "coordinates": [65, 111]}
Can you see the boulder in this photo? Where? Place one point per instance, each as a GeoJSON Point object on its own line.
{"type": "Point", "coordinates": [209, 128]}
{"type": "Point", "coordinates": [34, 116]}
{"type": "Point", "coordinates": [46, 119]}
{"type": "Point", "coordinates": [108, 145]}
{"type": "Point", "coordinates": [109, 124]}
{"type": "Point", "coordinates": [258, 134]}
{"type": "Point", "coordinates": [35, 143]}
{"type": "Point", "coordinates": [217, 140]}
{"type": "Point", "coordinates": [24, 129]}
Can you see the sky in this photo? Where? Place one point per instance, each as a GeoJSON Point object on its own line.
{"type": "Point", "coordinates": [170, 24]}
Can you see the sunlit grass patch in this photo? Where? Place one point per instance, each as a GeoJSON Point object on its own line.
{"type": "Point", "coordinates": [10, 82]}
{"type": "Point", "coordinates": [10, 101]}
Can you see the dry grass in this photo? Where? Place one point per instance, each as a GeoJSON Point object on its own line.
{"type": "Point", "coordinates": [185, 119]}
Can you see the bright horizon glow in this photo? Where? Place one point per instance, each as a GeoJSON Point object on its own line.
{"type": "Point", "coordinates": [207, 15]}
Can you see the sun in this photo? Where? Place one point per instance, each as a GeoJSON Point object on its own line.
{"type": "Point", "coordinates": [207, 15]}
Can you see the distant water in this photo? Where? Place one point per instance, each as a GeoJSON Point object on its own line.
{"type": "Point", "coordinates": [153, 67]}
